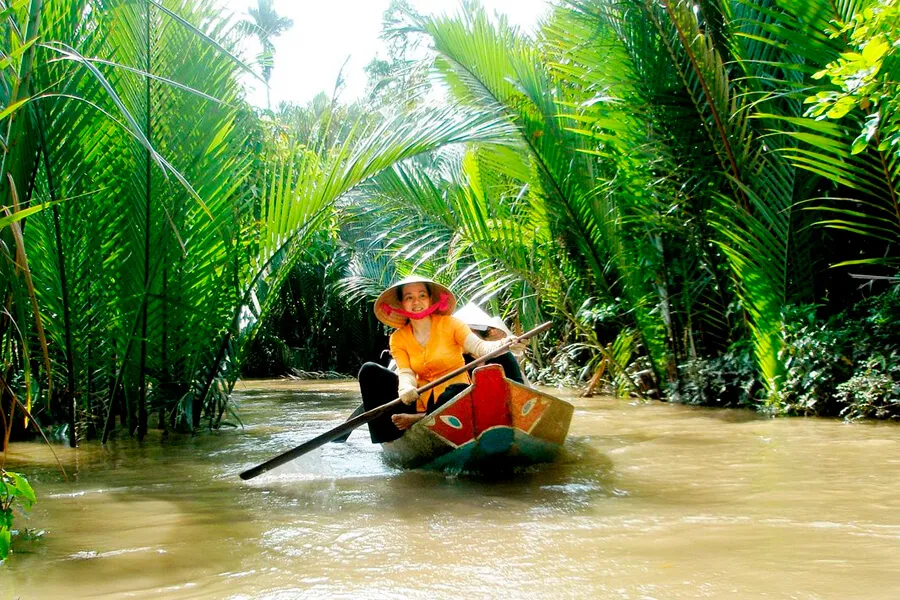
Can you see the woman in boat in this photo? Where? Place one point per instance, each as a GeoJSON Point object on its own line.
{"type": "Point", "coordinates": [493, 329]}
{"type": "Point", "coordinates": [428, 344]}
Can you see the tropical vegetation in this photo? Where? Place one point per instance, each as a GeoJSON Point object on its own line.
{"type": "Point", "coordinates": [15, 492]}
{"type": "Point", "coordinates": [685, 180]}
{"type": "Point", "coordinates": [703, 197]}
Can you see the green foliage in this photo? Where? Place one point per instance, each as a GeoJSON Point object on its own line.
{"type": "Point", "coordinates": [866, 77]}
{"type": "Point", "coordinates": [397, 82]}
{"type": "Point", "coordinates": [816, 361]}
{"type": "Point", "coordinates": [729, 380]}
{"type": "Point", "coordinates": [655, 185]}
{"type": "Point", "coordinates": [644, 174]}
{"type": "Point", "coordinates": [847, 73]}
{"type": "Point", "coordinates": [874, 389]}
{"type": "Point", "coordinates": [314, 327]}
{"type": "Point", "coordinates": [15, 491]}
{"type": "Point", "coordinates": [184, 211]}
{"type": "Point", "coordinates": [848, 365]}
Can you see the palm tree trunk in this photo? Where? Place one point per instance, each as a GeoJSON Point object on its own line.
{"type": "Point", "coordinates": [92, 421]}
{"type": "Point", "coordinates": [142, 396]}
{"type": "Point", "coordinates": [662, 288]}
{"type": "Point", "coordinates": [210, 377]}
{"type": "Point", "coordinates": [110, 416]}
{"type": "Point", "coordinates": [68, 395]}
{"type": "Point", "coordinates": [166, 371]}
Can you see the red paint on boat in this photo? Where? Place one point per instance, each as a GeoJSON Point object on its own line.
{"type": "Point", "coordinates": [462, 410]}
{"type": "Point", "coordinates": [526, 407]}
{"type": "Point", "coordinates": [490, 396]}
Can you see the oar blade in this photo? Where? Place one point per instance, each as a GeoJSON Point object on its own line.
{"type": "Point", "coordinates": [344, 428]}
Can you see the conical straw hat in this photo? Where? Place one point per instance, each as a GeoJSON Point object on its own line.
{"type": "Point", "coordinates": [390, 298]}
{"type": "Point", "coordinates": [474, 317]}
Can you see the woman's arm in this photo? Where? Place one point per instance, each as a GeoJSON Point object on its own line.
{"type": "Point", "coordinates": [406, 387]}
{"type": "Point", "coordinates": [478, 347]}
{"type": "Point", "coordinates": [474, 345]}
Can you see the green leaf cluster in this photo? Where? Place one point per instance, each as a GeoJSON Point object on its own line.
{"type": "Point", "coordinates": [15, 491]}
{"type": "Point", "coordinates": [866, 77]}
{"type": "Point", "coordinates": [847, 365]}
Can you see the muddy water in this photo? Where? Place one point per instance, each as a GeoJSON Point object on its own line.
{"type": "Point", "coordinates": [648, 501]}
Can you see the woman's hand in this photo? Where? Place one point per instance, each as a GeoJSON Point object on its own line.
{"type": "Point", "coordinates": [478, 347]}
{"type": "Point", "coordinates": [409, 396]}
{"type": "Point", "coordinates": [518, 346]}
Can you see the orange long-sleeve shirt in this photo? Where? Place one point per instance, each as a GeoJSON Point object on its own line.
{"type": "Point", "coordinates": [443, 353]}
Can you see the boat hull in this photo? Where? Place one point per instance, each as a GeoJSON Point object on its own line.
{"type": "Point", "coordinates": [494, 423]}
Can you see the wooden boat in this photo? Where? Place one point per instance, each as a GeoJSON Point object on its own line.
{"type": "Point", "coordinates": [494, 423]}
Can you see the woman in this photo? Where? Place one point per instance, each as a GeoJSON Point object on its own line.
{"type": "Point", "coordinates": [492, 329]}
{"type": "Point", "coordinates": [428, 344]}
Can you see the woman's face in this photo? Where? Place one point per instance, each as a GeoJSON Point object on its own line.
{"type": "Point", "coordinates": [415, 297]}
{"type": "Point", "coordinates": [491, 334]}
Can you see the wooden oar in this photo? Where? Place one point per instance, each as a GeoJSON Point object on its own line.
{"type": "Point", "coordinates": [343, 438]}
{"type": "Point", "coordinates": [373, 414]}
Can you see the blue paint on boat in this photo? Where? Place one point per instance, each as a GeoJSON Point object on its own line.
{"type": "Point", "coordinates": [495, 440]}
{"type": "Point", "coordinates": [451, 421]}
{"type": "Point", "coordinates": [498, 446]}
{"type": "Point", "coordinates": [534, 431]}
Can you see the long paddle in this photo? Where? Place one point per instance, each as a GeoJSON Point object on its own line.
{"type": "Point", "coordinates": [343, 438]}
{"type": "Point", "coordinates": [373, 414]}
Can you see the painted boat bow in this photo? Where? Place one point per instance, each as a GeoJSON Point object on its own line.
{"type": "Point", "coordinates": [494, 422]}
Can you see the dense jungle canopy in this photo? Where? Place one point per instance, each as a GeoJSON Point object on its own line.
{"type": "Point", "coordinates": [702, 196]}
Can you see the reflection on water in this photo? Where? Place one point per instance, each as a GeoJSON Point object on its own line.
{"type": "Point", "coordinates": [647, 501]}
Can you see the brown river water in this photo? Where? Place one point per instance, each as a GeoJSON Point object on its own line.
{"type": "Point", "coordinates": [648, 501]}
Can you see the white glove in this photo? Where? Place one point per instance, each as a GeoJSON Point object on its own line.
{"type": "Point", "coordinates": [518, 347]}
{"type": "Point", "coordinates": [409, 396]}
{"type": "Point", "coordinates": [478, 347]}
